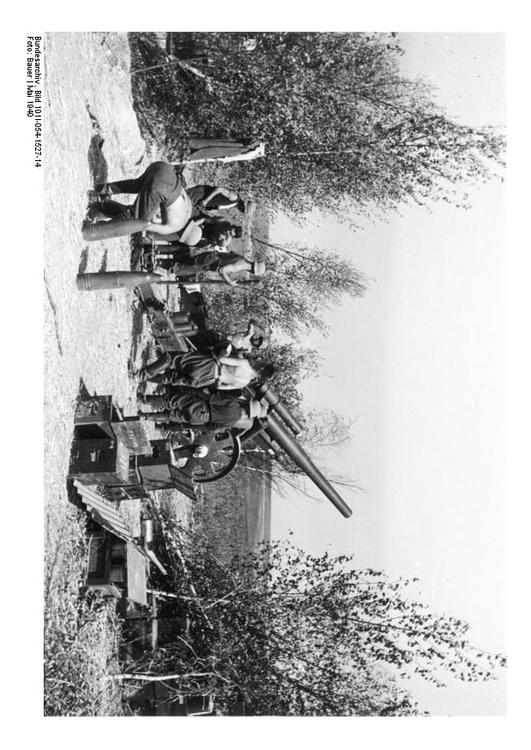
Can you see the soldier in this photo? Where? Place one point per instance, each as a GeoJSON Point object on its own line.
{"type": "Point", "coordinates": [252, 339]}
{"type": "Point", "coordinates": [226, 264]}
{"type": "Point", "coordinates": [206, 232]}
{"type": "Point", "coordinates": [223, 371]}
{"type": "Point", "coordinates": [211, 201]}
{"type": "Point", "coordinates": [219, 232]}
{"type": "Point", "coordinates": [159, 189]}
{"type": "Point", "coordinates": [210, 149]}
{"type": "Point", "coordinates": [183, 407]}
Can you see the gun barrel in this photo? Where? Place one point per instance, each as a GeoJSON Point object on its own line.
{"type": "Point", "coordinates": [276, 431]}
{"type": "Point", "coordinates": [264, 391]}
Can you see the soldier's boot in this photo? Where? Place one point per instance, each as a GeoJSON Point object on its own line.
{"type": "Point", "coordinates": [160, 380]}
{"type": "Point", "coordinates": [102, 189]}
{"type": "Point", "coordinates": [158, 403]}
{"type": "Point", "coordinates": [157, 367]}
{"type": "Point", "coordinates": [156, 416]}
{"type": "Point", "coordinates": [159, 391]}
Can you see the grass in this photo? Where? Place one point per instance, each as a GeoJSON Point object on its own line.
{"type": "Point", "coordinates": [81, 633]}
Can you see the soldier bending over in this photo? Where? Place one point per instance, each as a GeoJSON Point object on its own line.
{"type": "Point", "coordinates": [160, 188]}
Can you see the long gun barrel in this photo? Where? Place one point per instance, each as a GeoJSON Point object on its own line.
{"type": "Point", "coordinates": [264, 391]}
{"type": "Point", "coordinates": [276, 431]}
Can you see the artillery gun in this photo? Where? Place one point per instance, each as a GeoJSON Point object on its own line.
{"type": "Point", "coordinates": [130, 461]}
{"type": "Point", "coordinates": [119, 453]}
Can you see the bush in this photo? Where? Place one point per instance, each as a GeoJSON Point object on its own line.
{"type": "Point", "coordinates": [80, 633]}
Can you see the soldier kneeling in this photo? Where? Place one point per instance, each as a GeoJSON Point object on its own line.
{"type": "Point", "coordinates": [210, 411]}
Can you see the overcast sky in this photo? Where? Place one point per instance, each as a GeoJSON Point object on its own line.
{"type": "Point", "coordinates": [417, 364]}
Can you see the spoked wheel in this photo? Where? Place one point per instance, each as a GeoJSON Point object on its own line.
{"type": "Point", "coordinates": [223, 455]}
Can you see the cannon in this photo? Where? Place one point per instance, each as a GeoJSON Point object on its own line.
{"type": "Point", "coordinates": [117, 453]}
{"type": "Point", "coordinates": [278, 430]}
{"type": "Point", "coordinates": [276, 427]}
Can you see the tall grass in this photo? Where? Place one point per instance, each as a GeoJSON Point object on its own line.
{"type": "Point", "coordinates": [80, 633]}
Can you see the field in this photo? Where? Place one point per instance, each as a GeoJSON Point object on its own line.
{"type": "Point", "coordinates": [236, 511]}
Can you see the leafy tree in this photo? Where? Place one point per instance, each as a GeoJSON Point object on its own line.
{"type": "Point", "coordinates": [303, 283]}
{"type": "Point", "coordinates": [325, 428]}
{"type": "Point", "coordinates": [300, 284]}
{"type": "Point", "coordinates": [344, 128]}
{"type": "Point", "coordinates": [292, 364]}
{"type": "Point", "coordinates": [289, 633]}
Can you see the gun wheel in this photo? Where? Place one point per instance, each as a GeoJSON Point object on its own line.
{"type": "Point", "coordinates": [222, 457]}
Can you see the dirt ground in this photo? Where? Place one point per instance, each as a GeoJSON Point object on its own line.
{"type": "Point", "coordinates": [87, 334]}
{"type": "Point", "coordinates": [91, 134]}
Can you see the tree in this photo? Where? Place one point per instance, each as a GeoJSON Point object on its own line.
{"type": "Point", "coordinates": [344, 129]}
{"type": "Point", "coordinates": [303, 283]}
{"type": "Point", "coordinates": [292, 363]}
{"type": "Point", "coordinates": [324, 428]}
{"type": "Point", "coordinates": [300, 284]}
{"type": "Point", "coordinates": [291, 633]}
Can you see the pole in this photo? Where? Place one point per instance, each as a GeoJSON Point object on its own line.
{"type": "Point", "coordinates": [210, 282]}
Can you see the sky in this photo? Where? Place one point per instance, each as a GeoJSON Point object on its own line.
{"type": "Point", "coordinates": [417, 364]}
